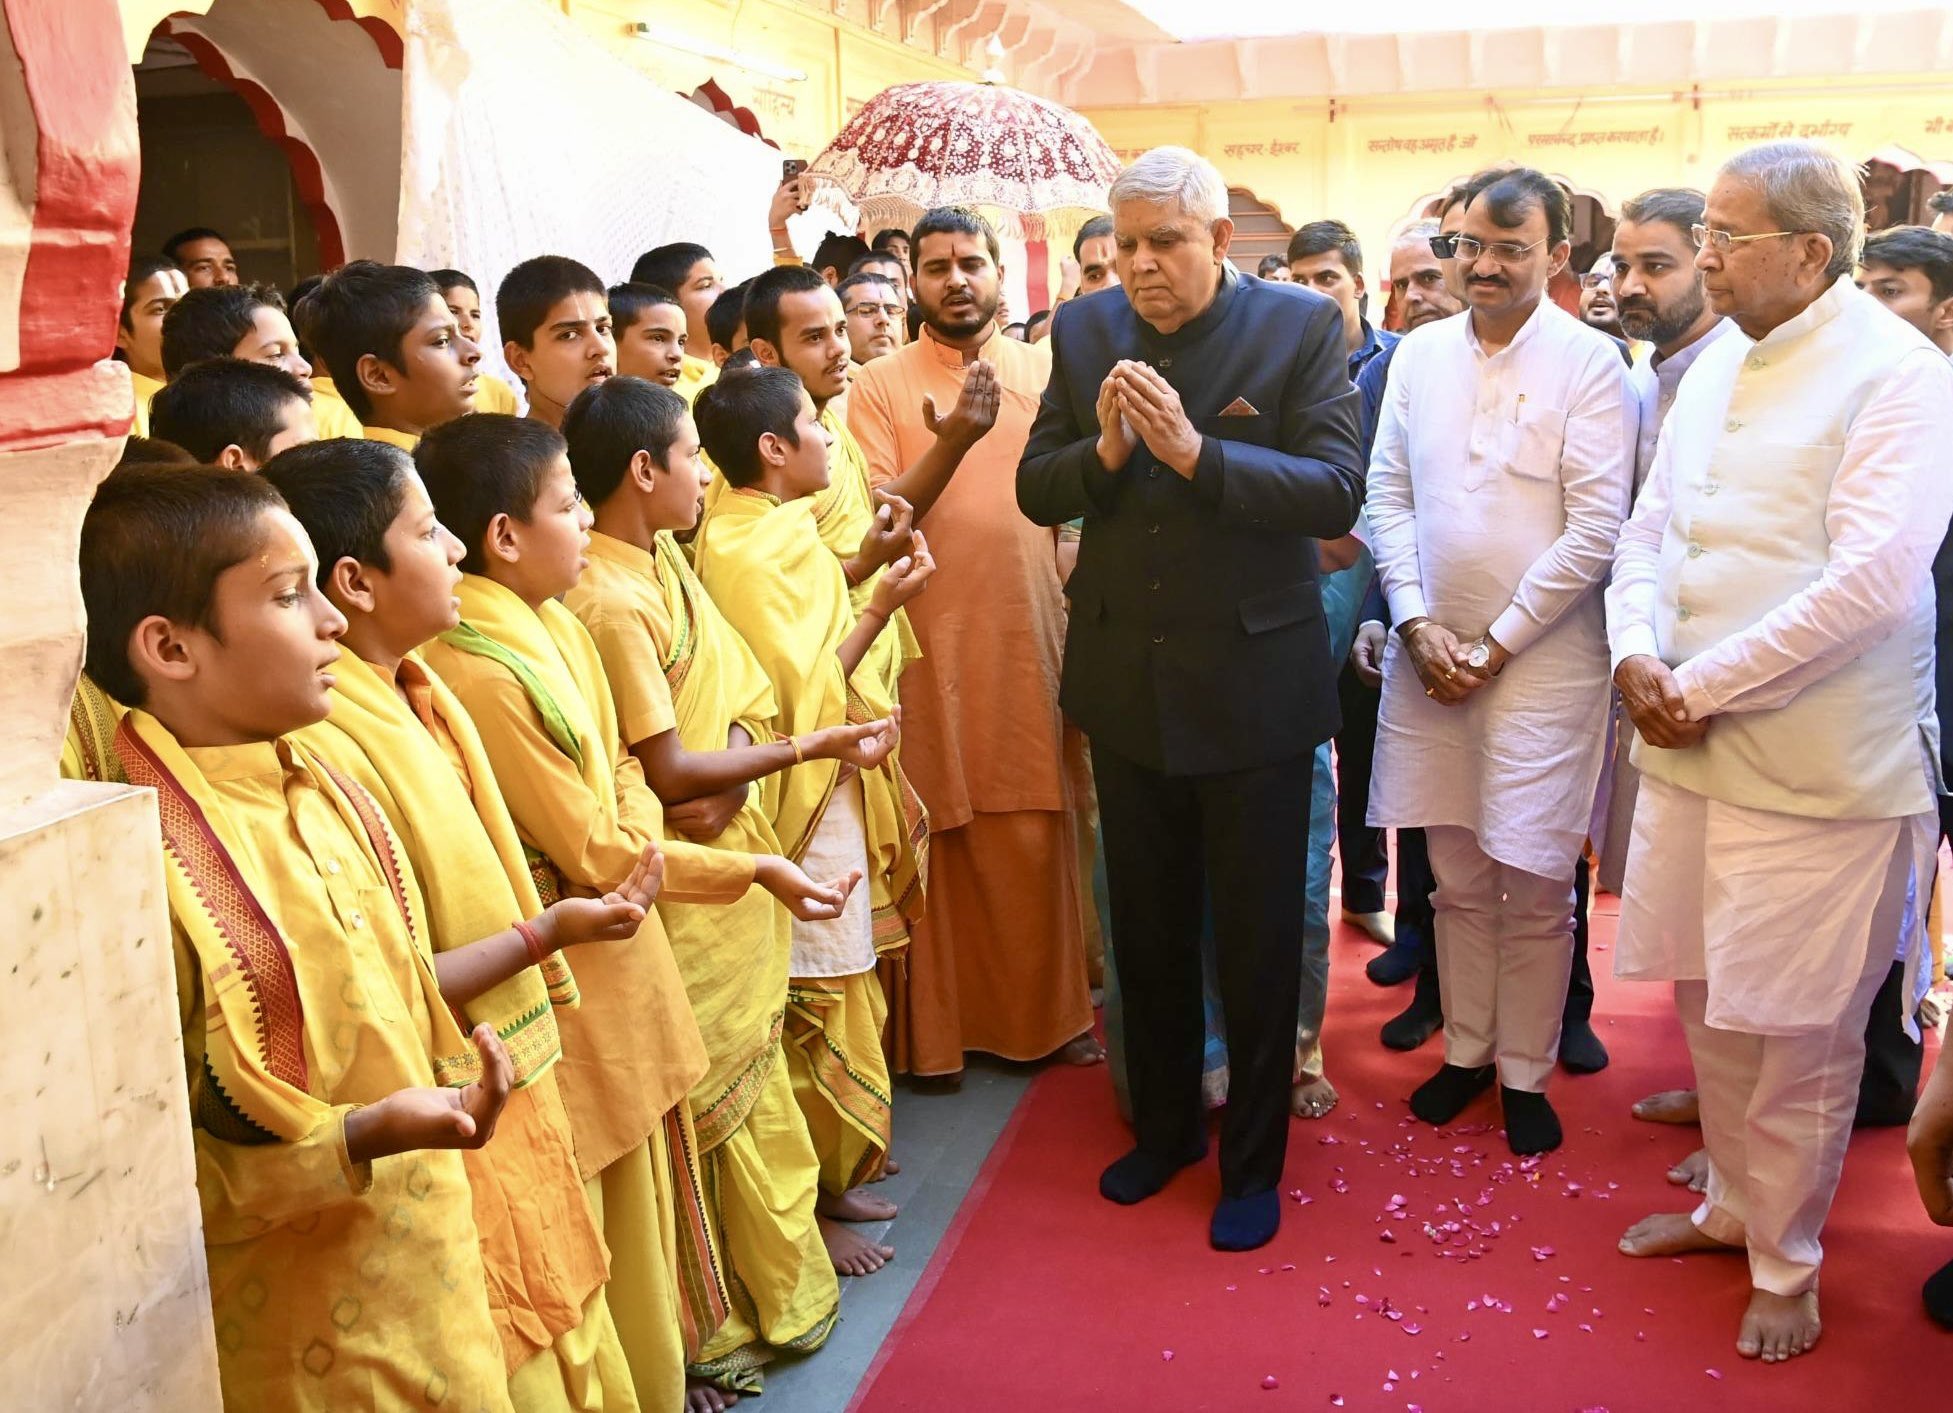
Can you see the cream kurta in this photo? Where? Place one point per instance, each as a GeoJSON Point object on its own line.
{"type": "Point", "coordinates": [1779, 559]}
{"type": "Point", "coordinates": [1496, 490]}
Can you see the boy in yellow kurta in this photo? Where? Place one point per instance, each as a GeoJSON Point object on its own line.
{"type": "Point", "coordinates": [152, 285]}
{"type": "Point", "coordinates": [696, 711]}
{"type": "Point", "coordinates": [388, 567]}
{"type": "Point", "coordinates": [556, 337]}
{"type": "Point", "coordinates": [229, 413]}
{"type": "Point", "coordinates": [761, 557]}
{"type": "Point", "coordinates": [463, 298]}
{"type": "Point", "coordinates": [393, 351]}
{"type": "Point", "coordinates": [344, 1266]}
{"type": "Point", "coordinates": [248, 322]}
{"type": "Point", "coordinates": [532, 681]}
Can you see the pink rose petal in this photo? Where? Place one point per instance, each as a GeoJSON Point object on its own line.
{"type": "Point", "coordinates": [1713, 1373]}
{"type": "Point", "coordinates": [1271, 1382]}
{"type": "Point", "coordinates": [1167, 1355]}
{"type": "Point", "coordinates": [1541, 1334]}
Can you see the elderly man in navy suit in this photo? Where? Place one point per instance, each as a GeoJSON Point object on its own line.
{"type": "Point", "coordinates": [1203, 424]}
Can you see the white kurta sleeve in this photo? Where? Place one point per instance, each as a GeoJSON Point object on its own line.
{"type": "Point", "coordinates": [1637, 562]}
{"type": "Point", "coordinates": [1596, 474]}
{"type": "Point", "coordinates": [1390, 504]}
{"type": "Point", "coordinates": [1886, 516]}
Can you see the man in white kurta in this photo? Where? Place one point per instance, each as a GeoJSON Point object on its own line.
{"type": "Point", "coordinates": [1771, 621]}
{"type": "Point", "coordinates": [1497, 485]}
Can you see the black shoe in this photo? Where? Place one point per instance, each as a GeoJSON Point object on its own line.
{"type": "Point", "coordinates": [1939, 1296]}
{"type": "Point", "coordinates": [1243, 1223]}
{"type": "Point", "coordinates": [1395, 964]}
{"type": "Point", "coordinates": [1414, 1025]}
{"type": "Point", "coordinates": [1443, 1096]}
{"type": "Point", "coordinates": [1580, 1049]}
{"type": "Point", "coordinates": [1140, 1174]}
{"type": "Point", "coordinates": [1531, 1126]}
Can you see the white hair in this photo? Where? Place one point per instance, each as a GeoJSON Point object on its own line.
{"type": "Point", "coordinates": [1807, 189]}
{"type": "Point", "coordinates": [1417, 233]}
{"type": "Point", "coordinates": [1173, 176]}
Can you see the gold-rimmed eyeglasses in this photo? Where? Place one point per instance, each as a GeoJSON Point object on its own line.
{"type": "Point", "coordinates": [1465, 248]}
{"type": "Point", "coordinates": [1707, 236]}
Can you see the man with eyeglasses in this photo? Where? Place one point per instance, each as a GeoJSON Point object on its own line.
{"type": "Point", "coordinates": [1597, 309]}
{"type": "Point", "coordinates": [1498, 482]}
{"type": "Point", "coordinates": [875, 316]}
{"type": "Point", "coordinates": [1771, 613]}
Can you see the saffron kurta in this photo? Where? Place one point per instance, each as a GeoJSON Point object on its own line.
{"type": "Point", "coordinates": [674, 663]}
{"type": "Point", "coordinates": [145, 388]}
{"type": "Point", "coordinates": [998, 964]}
{"type": "Point", "coordinates": [305, 993]}
{"type": "Point", "coordinates": [494, 395]}
{"type": "Point", "coordinates": [420, 757]}
{"type": "Point", "coordinates": [535, 688]}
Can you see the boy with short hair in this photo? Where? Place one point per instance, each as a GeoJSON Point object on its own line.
{"type": "Point", "coordinates": [761, 556]}
{"type": "Point", "coordinates": [230, 413]}
{"type": "Point", "coordinates": [463, 298]}
{"type": "Point", "coordinates": [725, 321]}
{"type": "Point", "coordinates": [327, 1075]}
{"type": "Point", "coordinates": [531, 680]}
{"type": "Point", "coordinates": [556, 333]}
{"type": "Point", "coordinates": [153, 284]}
{"type": "Point", "coordinates": [649, 327]}
{"type": "Point", "coordinates": [389, 568]}
{"type": "Point", "coordinates": [688, 271]}
{"type": "Point", "coordinates": [247, 322]}
{"type": "Point", "coordinates": [697, 712]}
{"type": "Point", "coordinates": [395, 353]}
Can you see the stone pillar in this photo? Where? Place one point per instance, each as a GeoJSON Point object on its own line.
{"type": "Point", "coordinates": [105, 1300]}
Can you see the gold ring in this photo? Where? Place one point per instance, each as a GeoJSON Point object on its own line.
{"type": "Point", "coordinates": [1449, 673]}
{"type": "Point", "coordinates": [1430, 691]}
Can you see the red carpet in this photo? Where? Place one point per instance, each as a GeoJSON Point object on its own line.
{"type": "Point", "coordinates": [1043, 1295]}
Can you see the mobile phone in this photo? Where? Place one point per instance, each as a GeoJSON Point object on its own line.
{"type": "Point", "coordinates": [791, 168]}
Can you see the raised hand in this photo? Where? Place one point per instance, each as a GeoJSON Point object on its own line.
{"type": "Point", "coordinates": [975, 412]}
{"type": "Point", "coordinates": [1116, 439]}
{"type": "Point", "coordinates": [805, 899]}
{"type": "Point", "coordinates": [889, 533]}
{"type": "Point", "coordinates": [1653, 700]}
{"type": "Point", "coordinates": [1153, 407]}
{"type": "Point", "coordinates": [905, 578]}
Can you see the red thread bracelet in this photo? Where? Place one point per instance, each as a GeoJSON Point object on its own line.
{"type": "Point", "coordinates": [533, 940]}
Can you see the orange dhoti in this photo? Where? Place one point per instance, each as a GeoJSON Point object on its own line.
{"type": "Point", "coordinates": [997, 963]}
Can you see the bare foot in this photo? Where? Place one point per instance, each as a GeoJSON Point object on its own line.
{"type": "Point", "coordinates": [1669, 1234]}
{"type": "Point", "coordinates": [1692, 1172]}
{"type": "Point", "coordinates": [1779, 1327]}
{"type": "Point", "coordinates": [1085, 1050]}
{"type": "Point", "coordinates": [889, 1168]}
{"type": "Point", "coordinates": [701, 1397]}
{"type": "Point", "coordinates": [1312, 1098]}
{"type": "Point", "coordinates": [1671, 1106]}
{"type": "Point", "coordinates": [852, 1253]}
{"type": "Point", "coordinates": [855, 1205]}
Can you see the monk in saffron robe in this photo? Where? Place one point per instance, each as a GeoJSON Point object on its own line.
{"type": "Point", "coordinates": [530, 678]}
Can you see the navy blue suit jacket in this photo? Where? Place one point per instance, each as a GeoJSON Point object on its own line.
{"type": "Point", "coordinates": [1196, 643]}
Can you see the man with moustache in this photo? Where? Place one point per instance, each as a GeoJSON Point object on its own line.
{"type": "Point", "coordinates": [1597, 309]}
{"type": "Point", "coordinates": [876, 312]}
{"type": "Point", "coordinates": [1771, 613]}
{"type": "Point", "coordinates": [998, 964]}
{"type": "Point", "coordinates": [1205, 428]}
{"type": "Point", "coordinates": [1501, 472]}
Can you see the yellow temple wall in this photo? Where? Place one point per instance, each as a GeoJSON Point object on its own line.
{"type": "Point", "coordinates": [1373, 162]}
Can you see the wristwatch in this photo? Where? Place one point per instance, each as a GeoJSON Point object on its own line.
{"type": "Point", "coordinates": [1479, 656]}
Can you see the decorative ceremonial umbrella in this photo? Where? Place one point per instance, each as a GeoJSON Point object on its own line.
{"type": "Point", "coordinates": [1034, 168]}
